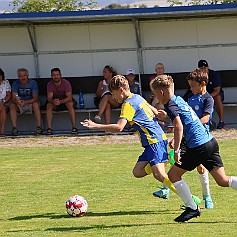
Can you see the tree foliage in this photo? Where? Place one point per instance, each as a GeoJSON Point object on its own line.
{"type": "Point", "coordinates": [198, 2]}
{"type": "Point", "coordinates": [51, 5]}
{"type": "Point", "coordinates": [119, 6]}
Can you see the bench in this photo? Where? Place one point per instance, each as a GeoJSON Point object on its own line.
{"type": "Point", "coordinates": [88, 85]}
{"type": "Point", "coordinates": [61, 122]}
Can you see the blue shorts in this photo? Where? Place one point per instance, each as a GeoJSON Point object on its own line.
{"type": "Point", "coordinates": [155, 153]}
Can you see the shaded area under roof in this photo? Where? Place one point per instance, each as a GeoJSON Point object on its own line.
{"type": "Point", "coordinates": [215, 10]}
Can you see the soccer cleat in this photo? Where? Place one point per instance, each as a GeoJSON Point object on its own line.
{"type": "Point", "coordinates": [14, 132]}
{"type": "Point", "coordinates": [188, 214]}
{"type": "Point", "coordinates": [208, 201]}
{"type": "Point", "coordinates": [162, 193]}
{"type": "Point", "coordinates": [196, 199]}
{"type": "Point", "coordinates": [220, 125]}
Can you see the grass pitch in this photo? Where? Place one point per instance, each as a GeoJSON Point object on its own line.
{"type": "Point", "coordinates": [36, 182]}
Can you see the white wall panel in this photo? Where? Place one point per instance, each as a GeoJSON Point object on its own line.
{"type": "Point", "coordinates": [71, 65]}
{"type": "Point", "coordinates": [120, 61]}
{"type": "Point", "coordinates": [217, 31]}
{"type": "Point", "coordinates": [63, 37]}
{"type": "Point", "coordinates": [14, 40]}
{"type": "Point", "coordinates": [113, 35]}
{"type": "Point", "coordinates": [118, 36]}
{"type": "Point", "coordinates": [171, 33]}
{"type": "Point", "coordinates": [10, 64]}
{"type": "Point", "coordinates": [220, 58]}
{"type": "Point", "coordinates": [178, 60]}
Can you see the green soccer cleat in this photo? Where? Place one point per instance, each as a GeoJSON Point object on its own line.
{"type": "Point", "coordinates": [196, 199]}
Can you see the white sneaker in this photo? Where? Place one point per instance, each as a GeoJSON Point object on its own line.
{"type": "Point", "coordinates": [97, 119]}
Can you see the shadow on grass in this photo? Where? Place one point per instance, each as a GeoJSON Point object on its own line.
{"type": "Point", "coordinates": [117, 213]}
{"type": "Point", "coordinates": [104, 227]}
{"type": "Point", "coordinates": [84, 228]}
{"type": "Point", "coordinates": [98, 227]}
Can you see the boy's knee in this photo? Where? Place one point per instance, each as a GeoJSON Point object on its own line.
{"type": "Point", "coordinates": [137, 173]}
{"type": "Point", "coordinates": [172, 177]}
{"type": "Point", "coordinates": [223, 183]}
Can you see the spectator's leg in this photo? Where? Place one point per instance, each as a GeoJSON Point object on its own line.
{"type": "Point", "coordinates": [49, 114]}
{"type": "Point", "coordinates": [3, 119]}
{"type": "Point", "coordinates": [37, 113]}
{"type": "Point", "coordinates": [113, 104]}
{"type": "Point", "coordinates": [13, 113]}
{"type": "Point", "coordinates": [72, 113]}
{"type": "Point", "coordinates": [103, 104]}
{"type": "Point", "coordinates": [108, 114]}
{"type": "Point", "coordinates": [219, 107]}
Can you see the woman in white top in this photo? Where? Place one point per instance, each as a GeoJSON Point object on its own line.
{"type": "Point", "coordinates": [106, 100]}
{"type": "Point", "coordinates": [5, 97]}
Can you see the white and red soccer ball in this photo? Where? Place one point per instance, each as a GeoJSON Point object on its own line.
{"type": "Point", "coordinates": [76, 206]}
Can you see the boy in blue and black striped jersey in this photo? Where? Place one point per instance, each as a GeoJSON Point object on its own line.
{"type": "Point", "coordinates": [202, 103]}
{"type": "Point", "coordinates": [202, 148]}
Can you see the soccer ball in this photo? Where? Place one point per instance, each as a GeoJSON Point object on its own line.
{"type": "Point", "coordinates": [76, 206]}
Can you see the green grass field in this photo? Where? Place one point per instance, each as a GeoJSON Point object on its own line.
{"type": "Point", "coordinates": [36, 182]}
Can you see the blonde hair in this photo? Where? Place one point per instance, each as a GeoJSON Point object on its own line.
{"type": "Point", "coordinates": [117, 82]}
{"type": "Point", "coordinates": [161, 81]}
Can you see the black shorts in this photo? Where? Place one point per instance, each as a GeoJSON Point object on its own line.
{"type": "Point", "coordinates": [98, 99]}
{"type": "Point", "coordinates": [206, 154]}
{"type": "Point", "coordinates": [63, 107]}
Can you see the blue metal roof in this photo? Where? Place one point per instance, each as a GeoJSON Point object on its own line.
{"type": "Point", "coordinates": [93, 15]}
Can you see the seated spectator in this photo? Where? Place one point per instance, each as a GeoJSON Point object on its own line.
{"type": "Point", "coordinates": [215, 90]}
{"type": "Point", "coordinates": [59, 98]}
{"type": "Point", "coordinates": [166, 124]}
{"type": "Point", "coordinates": [5, 97]}
{"type": "Point", "coordinates": [25, 98]}
{"type": "Point", "coordinates": [105, 101]}
{"type": "Point", "coordinates": [133, 85]}
{"type": "Point", "coordinates": [160, 70]}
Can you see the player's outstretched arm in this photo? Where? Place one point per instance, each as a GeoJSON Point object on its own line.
{"type": "Point", "coordinates": [116, 127]}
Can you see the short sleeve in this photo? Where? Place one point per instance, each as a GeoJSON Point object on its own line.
{"type": "Point", "coordinates": [8, 86]}
{"type": "Point", "coordinates": [68, 87]}
{"type": "Point", "coordinates": [127, 111]}
{"type": "Point", "coordinates": [172, 109]}
{"type": "Point", "coordinates": [34, 87]}
{"type": "Point", "coordinates": [15, 87]}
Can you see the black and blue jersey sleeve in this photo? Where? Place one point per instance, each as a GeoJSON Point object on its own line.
{"type": "Point", "coordinates": [172, 109]}
{"type": "Point", "coordinates": [208, 103]}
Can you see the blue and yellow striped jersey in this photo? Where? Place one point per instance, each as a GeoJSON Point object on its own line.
{"type": "Point", "coordinates": [137, 112]}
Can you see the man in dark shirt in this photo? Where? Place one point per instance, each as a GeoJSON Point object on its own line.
{"type": "Point", "coordinates": [215, 90]}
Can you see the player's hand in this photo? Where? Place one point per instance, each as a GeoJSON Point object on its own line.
{"type": "Point", "coordinates": [171, 143]}
{"type": "Point", "coordinates": [89, 124]}
{"type": "Point", "coordinates": [161, 114]}
{"type": "Point", "coordinates": [177, 158]}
